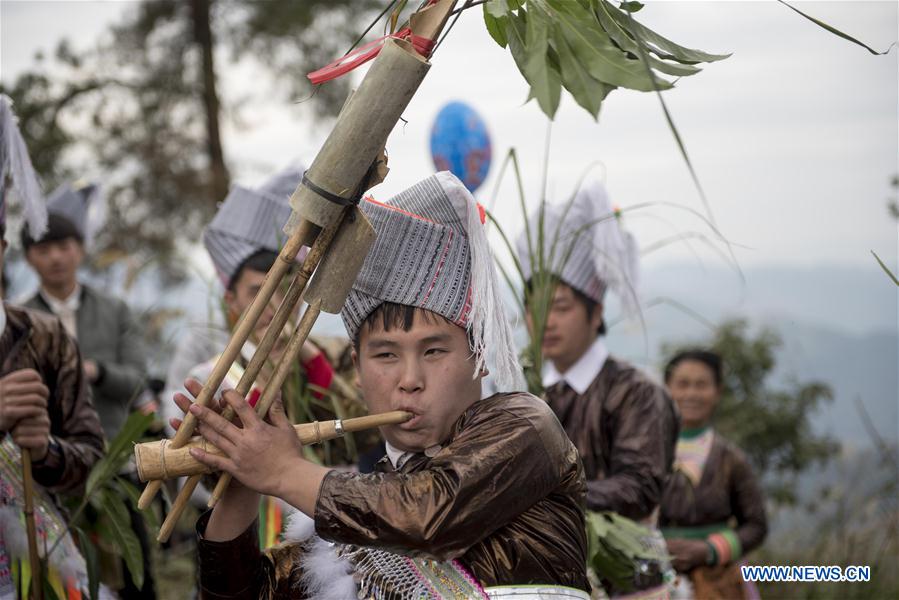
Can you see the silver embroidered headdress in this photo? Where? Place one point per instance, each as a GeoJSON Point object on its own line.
{"type": "Point", "coordinates": [431, 252]}
{"type": "Point", "coordinates": [249, 220]}
{"type": "Point", "coordinates": [584, 244]}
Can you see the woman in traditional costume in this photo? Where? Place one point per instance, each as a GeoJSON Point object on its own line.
{"type": "Point", "coordinates": [713, 508]}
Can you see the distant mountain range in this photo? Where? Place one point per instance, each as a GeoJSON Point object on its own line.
{"type": "Point", "coordinates": [838, 325]}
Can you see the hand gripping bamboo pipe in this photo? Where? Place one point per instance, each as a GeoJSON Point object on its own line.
{"type": "Point", "coordinates": [242, 330]}
{"type": "Point", "coordinates": [340, 173]}
{"type": "Point", "coordinates": [291, 299]}
{"type": "Point", "coordinates": [158, 460]}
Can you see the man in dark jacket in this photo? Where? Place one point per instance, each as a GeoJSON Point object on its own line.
{"type": "Point", "coordinates": [623, 424]}
{"type": "Point", "coordinates": [113, 349]}
{"type": "Point", "coordinates": [45, 403]}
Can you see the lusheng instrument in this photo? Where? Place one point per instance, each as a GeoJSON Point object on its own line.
{"type": "Point", "coordinates": [325, 217]}
{"type": "Point", "coordinates": [159, 460]}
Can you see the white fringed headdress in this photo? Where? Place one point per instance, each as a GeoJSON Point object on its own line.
{"type": "Point", "coordinates": [17, 173]}
{"type": "Point", "coordinates": [431, 252]}
{"type": "Point", "coordinates": [585, 245]}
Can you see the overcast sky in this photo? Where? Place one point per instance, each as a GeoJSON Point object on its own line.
{"type": "Point", "coordinates": [794, 137]}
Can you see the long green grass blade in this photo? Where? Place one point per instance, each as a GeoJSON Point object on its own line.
{"type": "Point", "coordinates": [836, 31]}
{"type": "Point", "coordinates": [885, 268]}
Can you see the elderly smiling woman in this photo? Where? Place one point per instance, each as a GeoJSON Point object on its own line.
{"type": "Point", "coordinates": [713, 510]}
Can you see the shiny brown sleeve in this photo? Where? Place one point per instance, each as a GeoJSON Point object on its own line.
{"type": "Point", "coordinates": [495, 468]}
{"type": "Point", "coordinates": [748, 501]}
{"type": "Point", "coordinates": [639, 429]}
{"type": "Point", "coordinates": [74, 420]}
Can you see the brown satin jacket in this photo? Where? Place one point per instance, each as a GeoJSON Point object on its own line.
{"type": "Point", "coordinates": [504, 495]}
{"type": "Point", "coordinates": [36, 341]}
{"type": "Point", "coordinates": [728, 493]}
{"type": "Point", "coordinates": [625, 427]}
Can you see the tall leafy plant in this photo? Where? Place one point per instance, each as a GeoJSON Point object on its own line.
{"type": "Point", "coordinates": [106, 492]}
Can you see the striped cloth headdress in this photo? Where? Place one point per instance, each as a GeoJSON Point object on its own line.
{"type": "Point", "coordinates": [249, 220]}
{"type": "Point", "coordinates": [431, 252]}
{"type": "Point", "coordinates": [584, 245]}
{"type": "Point", "coordinates": [17, 173]}
{"type": "Point", "coordinates": [76, 203]}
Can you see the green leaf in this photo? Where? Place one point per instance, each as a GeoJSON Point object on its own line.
{"type": "Point", "coordinates": [837, 32]}
{"type": "Point", "coordinates": [886, 269]}
{"type": "Point", "coordinates": [395, 15]}
{"type": "Point", "coordinates": [49, 592]}
{"type": "Point", "coordinates": [497, 8]}
{"type": "Point", "coordinates": [129, 490]}
{"type": "Point", "coordinates": [624, 41]}
{"type": "Point", "coordinates": [545, 80]}
{"type": "Point", "coordinates": [593, 47]}
{"type": "Point", "coordinates": [91, 560]}
{"type": "Point", "coordinates": [586, 91]}
{"type": "Point", "coordinates": [115, 526]}
{"type": "Point", "coordinates": [118, 452]}
{"type": "Point", "coordinates": [496, 26]}
{"type": "Point", "coordinates": [631, 6]}
{"type": "Point", "coordinates": [662, 47]}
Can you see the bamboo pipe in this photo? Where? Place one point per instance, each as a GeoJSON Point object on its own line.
{"type": "Point", "coordinates": [158, 460]}
{"type": "Point", "coordinates": [273, 389]}
{"type": "Point", "coordinates": [242, 331]}
{"type": "Point", "coordinates": [37, 582]}
{"type": "Point", "coordinates": [322, 242]}
{"type": "Point", "coordinates": [348, 153]}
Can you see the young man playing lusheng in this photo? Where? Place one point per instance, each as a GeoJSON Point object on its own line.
{"type": "Point", "coordinates": [474, 493]}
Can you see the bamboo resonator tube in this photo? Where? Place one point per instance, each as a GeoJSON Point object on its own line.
{"type": "Point", "coordinates": [160, 461]}
{"type": "Point", "coordinates": [349, 163]}
{"type": "Point", "coordinates": [242, 331]}
{"type": "Point", "coordinates": [301, 332]}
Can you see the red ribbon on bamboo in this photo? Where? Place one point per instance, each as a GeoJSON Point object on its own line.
{"type": "Point", "coordinates": [363, 54]}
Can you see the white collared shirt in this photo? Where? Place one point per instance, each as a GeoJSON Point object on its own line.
{"type": "Point", "coordinates": [583, 372]}
{"type": "Point", "coordinates": [396, 456]}
{"type": "Point", "coordinates": [66, 310]}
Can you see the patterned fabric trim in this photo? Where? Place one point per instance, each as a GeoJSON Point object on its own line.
{"type": "Point", "coordinates": [382, 575]}
{"type": "Point", "coordinates": [692, 453]}
{"type": "Point", "coordinates": [67, 573]}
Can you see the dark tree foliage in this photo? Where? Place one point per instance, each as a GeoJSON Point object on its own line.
{"type": "Point", "coordinates": [144, 107]}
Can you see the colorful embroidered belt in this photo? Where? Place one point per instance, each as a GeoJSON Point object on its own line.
{"type": "Point", "coordinates": [724, 541]}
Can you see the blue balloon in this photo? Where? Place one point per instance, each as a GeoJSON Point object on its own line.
{"type": "Point", "coordinates": [460, 144]}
